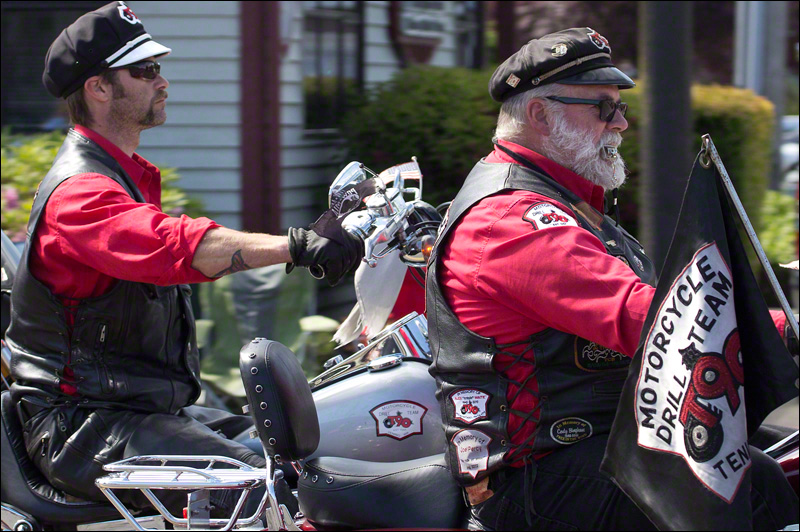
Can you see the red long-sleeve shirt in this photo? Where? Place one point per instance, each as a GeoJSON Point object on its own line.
{"type": "Point", "coordinates": [92, 233]}
{"type": "Point", "coordinates": [506, 279]}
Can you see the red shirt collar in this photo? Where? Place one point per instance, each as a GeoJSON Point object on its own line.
{"type": "Point", "coordinates": [145, 175]}
{"type": "Point", "coordinates": [593, 194]}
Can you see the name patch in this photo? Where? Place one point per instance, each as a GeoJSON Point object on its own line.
{"type": "Point", "coordinates": [570, 430]}
{"type": "Point", "coordinates": [543, 215]}
{"type": "Point", "coordinates": [472, 449]}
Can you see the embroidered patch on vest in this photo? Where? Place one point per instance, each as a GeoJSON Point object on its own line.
{"type": "Point", "coordinates": [399, 419]}
{"type": "Point", "coordinates": [472, 449]}
{"type": "Point", "coordinates": [543, 215]}
{"type": "Point", "coordinates": [591, 356]}
{"type": "Point", "coordinates": [470, 405]}
{"type": "Point", "coordinates": [570, 430]}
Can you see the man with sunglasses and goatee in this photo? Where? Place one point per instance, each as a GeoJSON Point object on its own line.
{"type": "Point", "coordinates": [536, 300]}
{"type": "Point", "coordinates": [102, 332]}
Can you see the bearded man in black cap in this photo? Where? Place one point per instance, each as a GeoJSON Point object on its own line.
{"type": "Point", "coordinates": [536, 301]}
{"type": "Point", "coordinates": [102, 332]}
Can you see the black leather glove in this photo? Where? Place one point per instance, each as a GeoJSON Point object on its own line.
{"type": "Point", "coordinates": [323, 256]}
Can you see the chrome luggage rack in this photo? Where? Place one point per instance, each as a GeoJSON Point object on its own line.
{"type": "Point", "coordinates": [139, 473]}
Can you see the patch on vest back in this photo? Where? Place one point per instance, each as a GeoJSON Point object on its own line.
{"type": "Point", "coordinates": [543, 215]}
{"type": "Point", "coordinates": [570, 430]}
{"type": "Point", "coordinates": [398, 419]}
{"type": "Point", "coordinates": [591, 356]}
{"type": "Point", "coordinates": [472, 449]}
{"type": "Point", "coordinates": [469, 405]}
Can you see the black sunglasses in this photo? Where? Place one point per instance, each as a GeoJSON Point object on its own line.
{"type": "Point", "coordinates": [142, 69]}
{"type": "Point", "coordinates": [607, 107]}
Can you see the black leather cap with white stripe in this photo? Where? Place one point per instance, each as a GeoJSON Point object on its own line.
{"type": "Point", "coordinates": [112, 36]}
{"type": "Point", "coordinates": [577, 56]}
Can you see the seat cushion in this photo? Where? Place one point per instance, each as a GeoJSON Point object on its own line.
{"type": "Point", "coordinates": [341, 492]}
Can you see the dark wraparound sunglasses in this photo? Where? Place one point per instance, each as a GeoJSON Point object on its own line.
{"type": "Point", "coordinates": [607, 107]}
{"type": "Point", "coordinates": [142, 69]}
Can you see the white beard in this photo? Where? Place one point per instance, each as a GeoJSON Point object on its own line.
{"type": "Point", "coordinates": [568, 147]}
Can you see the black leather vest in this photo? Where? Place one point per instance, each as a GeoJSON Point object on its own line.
{"type": "Point", "coordinates": [579, 382]}
{"type": "Point", "coordinates": [133, 347]}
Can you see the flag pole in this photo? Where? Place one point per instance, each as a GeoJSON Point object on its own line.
{"type": "Point", "coordinates": [710, 151]}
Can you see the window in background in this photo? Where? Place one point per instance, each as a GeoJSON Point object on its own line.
{"type": "Point", "coordinates": [332, 60]}
{"type": "Point", "coordinates": [28, 28]}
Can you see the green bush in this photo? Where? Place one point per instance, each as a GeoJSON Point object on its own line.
{"type": "Point", "coordinates": [740, 124]}
{"type": "Point", "coordinates": [26, 159]}
{"type": "Point", "coordinates": [446, 118]}
{"type": "Point", "coordinates": [779, 233]}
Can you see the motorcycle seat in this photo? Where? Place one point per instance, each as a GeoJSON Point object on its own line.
{"type": "Point", "coordinates": [339, 492]}
{"type": "Point", "coordinates": [24, 487]}
{"type": "Point", "coordinates": [279, 399]}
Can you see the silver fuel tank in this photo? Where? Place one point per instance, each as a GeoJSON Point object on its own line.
{"type": "Point", "coordinates": [378, 404]}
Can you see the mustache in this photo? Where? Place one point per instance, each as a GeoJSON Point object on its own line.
{"type": "Point", "coordinates": [612, 138]}
{"type": "Point", "coordinates": [160, 95]}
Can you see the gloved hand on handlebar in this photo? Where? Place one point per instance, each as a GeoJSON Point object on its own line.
{"type": "Point", "coordinates": [332, 258]}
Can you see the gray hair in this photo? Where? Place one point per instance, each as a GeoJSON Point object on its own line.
{"type": "Point", "coordinates": [512, 122]}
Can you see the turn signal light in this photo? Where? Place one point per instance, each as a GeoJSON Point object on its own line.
{"type": "Point", "coordinates": [427, 246]}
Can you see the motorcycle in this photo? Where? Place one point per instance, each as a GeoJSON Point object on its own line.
{"type": "Point", "coordinates": [364, 437]}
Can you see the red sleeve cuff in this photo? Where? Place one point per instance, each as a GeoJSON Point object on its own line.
{"type": "Point", "coordinates": [191, 231]}
{"type": "Point", "coordinates": [780, 322]}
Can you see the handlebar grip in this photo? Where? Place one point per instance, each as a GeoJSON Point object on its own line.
{"type": "Point", "coordinates": [317, 272]}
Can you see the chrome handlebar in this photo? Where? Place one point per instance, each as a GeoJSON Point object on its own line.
{"type": "Point", "coordinates": [385, 219]}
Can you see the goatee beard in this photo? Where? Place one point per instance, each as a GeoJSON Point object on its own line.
{"type": "Point", "coordinates": [567, 146]}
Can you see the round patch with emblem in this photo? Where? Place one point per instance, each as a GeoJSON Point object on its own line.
{"type": "Point", "coordinates": [543, 215]}
{"type": "Point", "coordinates": [570, 430]}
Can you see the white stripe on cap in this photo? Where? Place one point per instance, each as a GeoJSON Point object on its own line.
{"type": "Point", "coordinates": [125, 50]}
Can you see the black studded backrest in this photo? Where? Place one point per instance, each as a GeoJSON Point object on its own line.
{"type": "Point", "coordinates": [280, 399]}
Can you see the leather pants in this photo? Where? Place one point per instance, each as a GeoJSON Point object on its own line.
{"type": "Point", "coordinates": [70, 444]}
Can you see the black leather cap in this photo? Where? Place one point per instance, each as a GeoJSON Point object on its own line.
{"type": "Point", "coordinates": [112, 36]}
{"type": "Point", "coordinates": [577, 56]}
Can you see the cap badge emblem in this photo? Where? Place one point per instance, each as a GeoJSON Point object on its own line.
{"type": "Point", "coordinates": [127, 14]}
{"type": "Point", "coordinates": [598, 40]}
{"type": "Point", "coordinates": [560, 50]}
{"type": "Point", "coordinates": [513, 80]}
